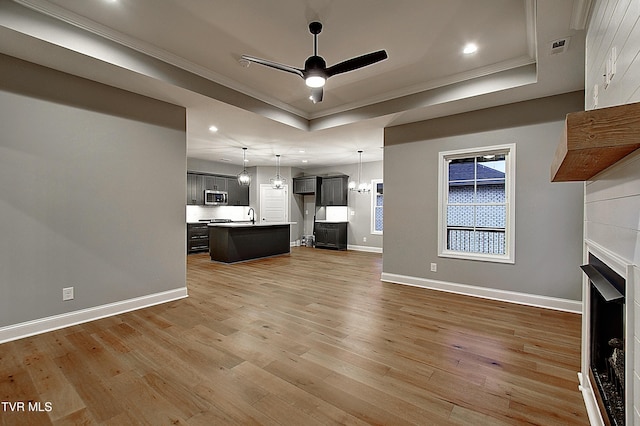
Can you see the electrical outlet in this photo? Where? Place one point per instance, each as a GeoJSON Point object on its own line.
{"type": "Point", "coordinates": [67, 293]}
{"type": "Point", "coordinates": [364, 239]}
{"type": "Point", "coordinates": [434, 267]}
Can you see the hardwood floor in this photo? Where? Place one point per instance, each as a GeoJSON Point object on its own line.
{"type": "Point", "coordinates": [310, 338]}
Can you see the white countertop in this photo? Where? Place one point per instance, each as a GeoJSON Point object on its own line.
{"type": "Point", "coordinates": [332, 221]}
{"type": "Point", "coordinates": [249, 224]}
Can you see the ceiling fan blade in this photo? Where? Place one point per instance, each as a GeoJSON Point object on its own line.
{"type": "Point", "coordinates": [358, 62]}
{"type": "Point", "coordinates": [316, 95]}
{"type": "Point", "coordinates": [275, 65]}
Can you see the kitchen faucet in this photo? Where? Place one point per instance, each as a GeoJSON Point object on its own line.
{"type": "Point", "coordinates": [253, 216]}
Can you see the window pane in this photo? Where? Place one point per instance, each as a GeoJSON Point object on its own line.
{"type": "Point", "coordinates": [461, 170]}
{"type": "Point", "coordinates": [491, 216]}
{"type": "Point", "coordinates": [493, 193]}
{"type": "Point", "coordinates": [490, 169]}
{"type": "Point", "coordinates": [489, 242]}
{"type": "Point", "coordinates": [461, 194]}
{"type": "Point", "coordinates": [377, 209]}
{"type": "Point", "coordinates": [460, 216]}
{"type": "Point", "coordinates": [378, 219]}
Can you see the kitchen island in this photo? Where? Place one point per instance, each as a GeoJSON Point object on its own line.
{"type": "Point", "coordinates": [238, 241]}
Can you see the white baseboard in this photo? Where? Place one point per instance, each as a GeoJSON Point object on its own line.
{"type": "Point", "coordinates": [43, 325]}
{"type": "Point", "coordinates": [365, 248]}
{"type": "Point", "coordinates": [574, 306]}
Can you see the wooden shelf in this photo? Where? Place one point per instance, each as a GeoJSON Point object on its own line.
{"type": "Point", "coordinates": [595, 140]}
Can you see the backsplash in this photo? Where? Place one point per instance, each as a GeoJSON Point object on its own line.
{"type": "Point", "coordinates": [236, 213]}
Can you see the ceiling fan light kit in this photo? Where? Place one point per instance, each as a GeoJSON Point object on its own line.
{"type": "Point", "coordinates": [316, 72]}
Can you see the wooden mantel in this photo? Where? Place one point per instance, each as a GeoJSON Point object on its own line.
{"type": "Point", "coordinates": [595, 140]}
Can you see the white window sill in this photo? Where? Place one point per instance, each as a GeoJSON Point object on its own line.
{"type": "Point", "coordinates": [477, 257]}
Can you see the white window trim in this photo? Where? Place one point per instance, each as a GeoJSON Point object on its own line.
{"type": "Point", "coordinates": [510, 185]}
{"type": "Point", "coordinates": [374, 182]}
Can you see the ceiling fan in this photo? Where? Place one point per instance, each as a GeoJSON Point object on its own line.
{"type": "Point", "coordinates": [316, 72]}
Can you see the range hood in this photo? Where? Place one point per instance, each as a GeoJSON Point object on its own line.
{"type": "Point", "coordinates": [595, 140]}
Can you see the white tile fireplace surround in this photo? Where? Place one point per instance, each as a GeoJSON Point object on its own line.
{"type": "Point", "coordinates": [612, 234]}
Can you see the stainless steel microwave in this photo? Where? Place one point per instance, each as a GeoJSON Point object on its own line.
{"type": "Point", "coordinates": [215, 198]}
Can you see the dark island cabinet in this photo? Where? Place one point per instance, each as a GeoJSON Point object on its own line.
{"type": "Point", "coordinates": [197, 183]}
{"type": "Point", "coordinates": [331, 235]}
{"type": "Point", "coordinates": [334, 190]}
{"type": "Point", "coordinates": [197, 237]}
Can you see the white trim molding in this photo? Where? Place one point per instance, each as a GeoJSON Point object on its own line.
{"type": "Point", "coordinates": [566, 305]}
{"type": "Point", "coordinates": [56, 322]}
{"type": "Point", "coordinates": [364, 248]}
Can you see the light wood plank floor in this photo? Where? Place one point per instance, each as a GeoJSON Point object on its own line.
{"type": "Point", "coordinates": [310, 338]}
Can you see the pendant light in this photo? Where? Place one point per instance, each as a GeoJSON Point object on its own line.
{"type": "Point", "coordinates": [359, 186]}
{"type": "Point", "coordinates": [277, 182]}
{"type": "Point", "coordinates": [244, 178]}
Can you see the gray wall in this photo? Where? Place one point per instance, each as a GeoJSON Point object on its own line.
{"type": "Point", "coordinates": [548, 216]}
{"type": "Point", "coordinates": [92, 190]}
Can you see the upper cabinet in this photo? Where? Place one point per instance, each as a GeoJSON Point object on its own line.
{"type": "Point", "coordinates": [195, 189]}
{"type": "Point", "coordinates": [305, 185]}
{"type": "Point", "coordinates": [329, 190]}
{"type": "Point", "coordinates": [197, 183]}
{"type": "Point", "coordinates": [216, 183]}
{"type": "Point", "coordinates": [333, 190]}
{"type": "Point", "coordinates": [238, 195]}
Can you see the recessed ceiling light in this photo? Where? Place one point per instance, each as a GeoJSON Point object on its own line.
{"type": "Point", "coordinates": [213, 129]}
{"type": "Point", "coordinates": [470, 48]}
{"type": "Point", "coordinates": [301, 151]}
{"type": "Point", "coordinates": [305, 161]}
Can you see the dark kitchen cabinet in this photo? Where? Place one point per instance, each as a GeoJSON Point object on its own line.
{"type": "Point", "coordinates": [215, 183]}
{"type": "Point", "coordinates": [197, 183]}
{"type": "Point", "coordinates": [197, 237]}
{"type": "Point", "coordinates": [331, 235]}
{"type": "Point", "coordinates": [305, 185]}
{"type": "Point", "coordinates": [238, 195]}
{"type": "Point", "coordinates": [333, 191]}
{"type": "Point", "coordinates": [195, 189]}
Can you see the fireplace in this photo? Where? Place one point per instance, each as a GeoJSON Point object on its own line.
{"type": "Point", "coordinates": [607, 339]}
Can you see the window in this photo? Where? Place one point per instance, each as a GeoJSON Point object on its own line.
{"type": "Point", "coordinates": [376, 207]}
{"type": "Point", "coordinates": [476, 216]}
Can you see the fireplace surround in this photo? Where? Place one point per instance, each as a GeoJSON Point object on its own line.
{"type": "Point", "coordinates": [606, 341]}
{"type": "Point", "coordinates": [606, 377]}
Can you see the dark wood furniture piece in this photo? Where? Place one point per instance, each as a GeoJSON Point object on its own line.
{"type": "Point", "coordinates": [237, 242]}
{"type": "Point", "coordinates": [333, 191]}
{"type": "Point", "coordinates": [197, 183]}
{"type": "Point", "coordinates": [331, 235]}
{"type": "Point", "coordinates": [306, 185]}
{"type": "Point", "coordinates": [197, 237]}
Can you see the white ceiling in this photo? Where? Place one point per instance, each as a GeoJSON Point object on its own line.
{"type": "Point", "coordinates": [268, 111]}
